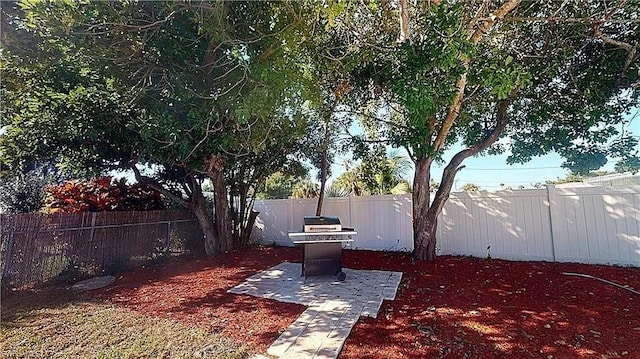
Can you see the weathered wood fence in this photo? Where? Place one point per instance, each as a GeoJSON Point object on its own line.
{"type": "Point", "coordinates": [582, 224]}
{"type": "Point", "coordinates": [37, 248]}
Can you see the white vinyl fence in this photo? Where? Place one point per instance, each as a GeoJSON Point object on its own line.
{"type": "Point", "coordinates": [582, 224]}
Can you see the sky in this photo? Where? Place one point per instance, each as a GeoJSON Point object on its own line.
{"type": "Point", "coordinates": [491, 172]}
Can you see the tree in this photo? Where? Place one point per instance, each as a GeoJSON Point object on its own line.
{"type": "Point", "coordinates": [349, 181]}
{"type": "Point", "coordinates": [335, 191]}
{"type": "Point", "coordinates": [471, 187]}
{"type": "Point", "coordinates": [54, 103]}
{"type": "Point", "coordinates": [325, 139]}
{"type": "Point", "coordinates": [204, 90]}
{"type": "Point", "coordinates": [23, 192]}
{"type": "Point", "coordinates": [470, 72]}
{"type": "Point", "coordinates": [377, 174]}
{"type": "Point", "coordinates": [305, 189]}
{"type": "Point", "coordinates": [277, 186]}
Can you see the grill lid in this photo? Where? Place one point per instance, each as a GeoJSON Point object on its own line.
{"type": "Point", "coordinates": [322, 224]}
{"type": "Point", "coordinates": [321, 220]}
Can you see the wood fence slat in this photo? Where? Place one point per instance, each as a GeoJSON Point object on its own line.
{"type": "Point", "coordinates": [42, 246]}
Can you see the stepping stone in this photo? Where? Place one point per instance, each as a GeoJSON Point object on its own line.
{"type": "Point", "coordinates": [93, 283]}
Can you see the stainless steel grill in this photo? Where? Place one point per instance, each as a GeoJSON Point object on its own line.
{"type": "Point", "coordinates": [322, 239]}
{"type": "Point", "coordinates": [322, 224]}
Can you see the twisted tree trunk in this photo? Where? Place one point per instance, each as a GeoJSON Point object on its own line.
{"type": "Point", "coordinates": [200, 210]}
{"type": "Point", "coordinates": [224, 227]}
{"type": "Point", "coordinates": [425, 213]}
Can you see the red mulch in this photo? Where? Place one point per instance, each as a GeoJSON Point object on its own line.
{"type": "Point", "coordinates": [459, 307]}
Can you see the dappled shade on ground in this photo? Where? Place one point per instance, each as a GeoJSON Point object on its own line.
{"type": "Point", "coordinates": [194, 291]}
{"type": "Point", "coordinates": [476, 308]}
{"type": "Point", "coordinates": [459, 307]}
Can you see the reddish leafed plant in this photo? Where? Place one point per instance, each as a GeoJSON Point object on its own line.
{"type": "Point", "coordinates": [101, 194]}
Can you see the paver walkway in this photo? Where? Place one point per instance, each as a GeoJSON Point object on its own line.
{"type": "Point", "coordinates": [334, 307]}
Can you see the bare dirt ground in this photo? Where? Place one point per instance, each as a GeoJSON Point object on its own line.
{"type": "Point", "coordinates": [458, 307]}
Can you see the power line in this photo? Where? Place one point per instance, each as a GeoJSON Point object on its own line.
{"type": "Point", "coordinates": [512, 169]}
{"type": "Point", "coordinates": [497, 182]}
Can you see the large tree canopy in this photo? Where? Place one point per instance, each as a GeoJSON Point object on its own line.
{"type": "Point", "coordinates": [203, 89]}
{"type": "Point", "coordinates": [525, 78]}
{"type": "Point", "coordinates": [224, 90]}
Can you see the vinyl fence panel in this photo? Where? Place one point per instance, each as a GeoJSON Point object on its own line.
{"type": "Point", "coordinates": [273, 222]}
{"type": "Point", "coordinates": [598, 225]}
{"type": "Point", "coordinates": [582, 224]}
{"type": "Point", "coordinates": [383, 223]}
{"type": "Point", "coordinates": [505, 224]}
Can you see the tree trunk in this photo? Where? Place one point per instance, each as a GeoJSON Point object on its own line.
{"type": "Point", "coordinates": [425, 238]}
{"type": "Point", "coordinates": [246, 233]}
{"type": "Point", "coordinates": [199, 208]}
{"type": "Point", "coordinates": [246, 216]}
{"type": "Point", "coordinates": [424, 225]}
{"type": "Point", "coordinates": [425, 213]}
{"type": "Point", "coordinates": [196, 204]}
{"type": "Point", "coordinates": [323, 181]}
{"type": "Point", "coordinates": [404, 21]}
{"type": "Point", "coordinates": [324, 163]}
{"type": "Point", "coordinates": [221, 211]}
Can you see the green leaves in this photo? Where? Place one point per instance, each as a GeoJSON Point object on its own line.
{"type": "Point", "coordinates": [65, 113]}
{"type": "Point", "coordinates": [508, 60]}
{"type": "Point", "coordinates": [564, 89]}
{"type": "Point", "coordinates": [377, 174]}
{"type": "Point", "coordinates": [501, 79]}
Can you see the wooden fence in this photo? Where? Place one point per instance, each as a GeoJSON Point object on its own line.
{"type": "Point", "coordinates": [37, 248]}
{"type": "Point", "coordinates": [583, 224]}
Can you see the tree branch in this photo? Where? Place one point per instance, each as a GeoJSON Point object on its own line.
{"type": "Point", "coordinates": [146, 180]}
{"type": "Point", "coordinates": [453, 167]}
{"type": "Point", "coordinates": [129, 27]}
{"type": "Point", "coordinates": [491, 20]}
{"type": "Point", "coordinates": [476, 17]}
{"type": "Point", "coordinates": [404, 21]}
{"type": "Point", "coordinates": [568, 20]}
{"type": "Point", "coordinates": [632, 50]}
{"type": "Point", "coordinates": [454, 109]}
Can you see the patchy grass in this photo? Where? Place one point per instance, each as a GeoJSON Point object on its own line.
{"type": "Point", "coordinates": [59, 324]}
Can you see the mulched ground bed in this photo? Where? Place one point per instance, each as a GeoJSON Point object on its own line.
{"type": "Point", "coordinates": [459, 307]}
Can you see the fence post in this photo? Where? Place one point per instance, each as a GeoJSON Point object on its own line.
{"type": "Point", "coordinates": [290, 215]}
{"type": "Point", "coordinates": [551, 198]}
{"type": "Point", "coordinates": [168, 242]}
{"type": "Point", "coordinates": [351, 212]}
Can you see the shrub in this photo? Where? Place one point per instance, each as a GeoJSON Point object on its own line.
{"type": "Point", "coordinates": [23, 192]}
{"type": "Point", "coordinates": [102, 195]}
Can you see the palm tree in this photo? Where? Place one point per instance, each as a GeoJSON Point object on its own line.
{"type": "Point", "coordinates": [376, 176]}
{"type": "Point", "coordinates": [337, 191]}
{"type": "Point", "coordinates": [305, 189]}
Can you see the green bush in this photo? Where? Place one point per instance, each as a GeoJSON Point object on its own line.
{"type": "Point", "coordinates": [23, 192]}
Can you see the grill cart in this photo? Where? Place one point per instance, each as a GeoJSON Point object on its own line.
{"type": "Point", "coordinates": [321, 241]}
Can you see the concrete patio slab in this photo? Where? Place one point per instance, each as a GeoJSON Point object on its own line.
{"type": "Point", "coordinates": [334, 306]}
